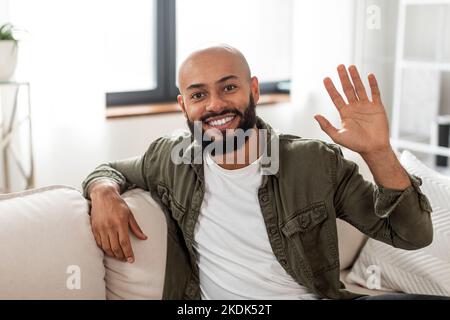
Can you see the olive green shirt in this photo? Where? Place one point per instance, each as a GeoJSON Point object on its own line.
{"type": "Point", "coordinates": [300, 202]}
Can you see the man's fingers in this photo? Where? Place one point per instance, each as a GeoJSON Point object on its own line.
{"type": "Point", "coordinates": [326, 126]}
{"type": "Point", "coordinates": [115, 246]}
{"type": "Point", "coordinates": [104, 238]}
{"type": "Point", "coordinates": [347, 86]}
{"type": "Point", "coordinates": [359, 86]}
{"type": "Point", "coordinates": [374, 88]}
{"type": "Point", "coordinates": [125, 243]}
{"type": "Point", "coordinates": [334, 94]}
{"type": "Point", "coordinates": [136, 229]}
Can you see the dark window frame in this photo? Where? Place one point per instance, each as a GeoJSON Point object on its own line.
{"type": "Point", "coordinates": [166, 90]}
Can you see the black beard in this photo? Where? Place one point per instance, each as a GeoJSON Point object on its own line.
{"type": "Point", "coordinates": [248, 121]}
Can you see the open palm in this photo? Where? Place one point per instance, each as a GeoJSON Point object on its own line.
{"type": "Point", "coordinates": [364, 123]}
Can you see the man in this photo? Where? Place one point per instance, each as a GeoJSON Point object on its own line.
{"type": "Point", "coordinates": [237, 230]}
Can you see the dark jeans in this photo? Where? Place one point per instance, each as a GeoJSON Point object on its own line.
{"type": "Point", "coordinates": [403, 296]}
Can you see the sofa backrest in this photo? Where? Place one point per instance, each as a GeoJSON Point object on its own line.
{"type": "Point", "coordinates": [143, 279]}
{"type": "Point", "coordinates": [47, 248]}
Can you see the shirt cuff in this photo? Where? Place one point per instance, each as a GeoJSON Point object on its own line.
{"type": "Point", "coordinates": [102, 175]}
{"type": "Point", "coordinates": [386, 200]}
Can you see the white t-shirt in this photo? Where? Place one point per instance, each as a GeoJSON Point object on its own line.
{"type": "Point", "coordinates": [234, 255]}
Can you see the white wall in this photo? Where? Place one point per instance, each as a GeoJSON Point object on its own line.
{"type": "Point", "coordinates": [323, 39]}
{"type": "Point", "coordinates": [375, 47]}
{"type": "Point", "coordinates": [4, 11]}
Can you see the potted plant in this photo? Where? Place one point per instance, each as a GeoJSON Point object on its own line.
{"type": "Point", "coordinates": [8, 51]}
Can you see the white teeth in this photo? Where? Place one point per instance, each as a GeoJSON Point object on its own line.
{"type": "Point", "coordinates": [221, 122]}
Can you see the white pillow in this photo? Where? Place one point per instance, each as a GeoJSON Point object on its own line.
{"type": "Point", "coordinates": [47, 249]}
{"type": "Point", "coordinates": [143, 279]}
{"type": "Point", "coordinates": [423, 271]}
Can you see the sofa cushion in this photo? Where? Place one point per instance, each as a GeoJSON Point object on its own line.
{"type": "Point", "coordinates": [350, 241]}
{"type": "Point", "coordinates": [47, 247]}
{"type": "Point", "coordinates": [423, 271]}
{"type": "Point", "coordinates": [144, 278]}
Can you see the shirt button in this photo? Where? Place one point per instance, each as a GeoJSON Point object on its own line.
{"type": "Point", "coordinates": [273, 231]}
{"type": "Point", "coordinates": [304, 221]}
{"type": "Point", "coordinates": [283, 262]}
{"type": "Point", "coordinates": [265, 198]}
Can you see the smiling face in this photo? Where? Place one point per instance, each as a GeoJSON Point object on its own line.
{"type": "Point", "coordinates": [217, 90]}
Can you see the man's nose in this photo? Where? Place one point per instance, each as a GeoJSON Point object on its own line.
{"type": "Point", "coordinates": [216, 104]}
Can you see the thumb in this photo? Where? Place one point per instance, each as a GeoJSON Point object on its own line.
{"type": "Point", "coordinates": [136, 229]}
{"type": "Point", "coordinates": [326, 126]}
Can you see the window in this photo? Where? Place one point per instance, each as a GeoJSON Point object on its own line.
{"type": "Point", "coordinates": [158, 34]}
{"type": "Point", "coordinates": [142, 67]}
{"type": "Point", "coordinates": [130, 45]}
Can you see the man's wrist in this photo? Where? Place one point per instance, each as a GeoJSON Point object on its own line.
{"type": "Point", "coordinates": [102, 188]}
{"type": "Point", "coordinates": [387, 169]}
{"type": "Point", "coordinates": [382, 154]}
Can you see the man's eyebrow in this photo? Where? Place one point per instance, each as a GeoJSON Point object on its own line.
{"type": "Point", "coordinates": [226, 78]}
{"type": "Point", "coordinates": [200, 85]}
{"type": "Point", "coordinates": [195, 86]}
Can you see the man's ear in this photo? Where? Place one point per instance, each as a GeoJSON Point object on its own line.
{"type": "Point", "coordinates": [181, 104]}
{"type": "Point", "coordinates": [254, 87]}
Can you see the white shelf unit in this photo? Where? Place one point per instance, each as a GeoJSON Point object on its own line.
{"type": "Point", "coordinates": [15, 138]}
{"type": "Point", "coordinates": [439, 63]}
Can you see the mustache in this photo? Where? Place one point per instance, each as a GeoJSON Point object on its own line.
{"type": "Point", "coordinates": [216, 114]}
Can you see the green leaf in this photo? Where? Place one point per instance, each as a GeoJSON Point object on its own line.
{"type": "Point", "coordinates": [6, 32]}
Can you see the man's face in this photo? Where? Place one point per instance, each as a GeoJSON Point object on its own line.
{"type": "Point", "coordinates": [217, 93]}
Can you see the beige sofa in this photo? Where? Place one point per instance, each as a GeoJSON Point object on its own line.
{"type": "Point", "coordinates": [48, 251]}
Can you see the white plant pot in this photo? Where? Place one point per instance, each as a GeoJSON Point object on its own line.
{"type": "Point", "coordinates": [8, 59]}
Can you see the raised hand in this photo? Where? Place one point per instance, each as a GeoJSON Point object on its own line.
{"type": "Point", "coordinates": [364, 122]}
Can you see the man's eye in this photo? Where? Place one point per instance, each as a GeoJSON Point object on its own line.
{"type": "Point", "coordinates": [230, 87]}
{"type": "Point", "coordinates": [197, 95]}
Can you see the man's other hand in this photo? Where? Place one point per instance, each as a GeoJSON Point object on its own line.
{"type": "Point", "coordinates": [111, 218]}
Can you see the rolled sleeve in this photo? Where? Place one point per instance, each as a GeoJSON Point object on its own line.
{"type": "Point", "coordinates": [386, 200]}
{"type": "Point", "coordinates": [401, 218]}
{"type": "Point", "coordinates": [128, 174]}
{"type": "Point", "coordinates": [102, 172]}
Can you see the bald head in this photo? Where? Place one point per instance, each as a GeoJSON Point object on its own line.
{"type": "Point", "coordinates": [205, 64]}
{"type": "Point", "coordinates": [216, 84]}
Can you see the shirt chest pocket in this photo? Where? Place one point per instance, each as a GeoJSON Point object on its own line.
{"type": "Point", "coordinates": [309, 233]}
{"type": "Point", "coordinates": [305, 220]}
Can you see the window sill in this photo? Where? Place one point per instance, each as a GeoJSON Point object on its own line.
{"type": "Point", "coordinates": [170, 107]}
